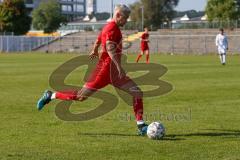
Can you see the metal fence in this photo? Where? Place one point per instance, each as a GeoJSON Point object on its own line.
{"type": "Point", "coordinates": [190, 44]}
{"type": "Point", "coordinates": [165, 44]}
{"type": "Point", "coordinates": [22, 43]}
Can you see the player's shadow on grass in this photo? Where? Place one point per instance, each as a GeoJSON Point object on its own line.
{"type": "Point", "coordinates": [106, 134]}
{"type": "Point", "coordinates": [213, 133]}
{"type": "Point", "coordinates": [169, 138]}
{"type": "Point", "coordinates": [166, 138]}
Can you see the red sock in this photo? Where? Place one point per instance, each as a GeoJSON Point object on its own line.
{"type": "Point", "coordinates": [138, 108]}
{"type": "Point", "coordinates": [147, 58]}
{"type": "Point", "coordinates": [67, 95]}
{"type": "Point", "coordinates": [139, 56]}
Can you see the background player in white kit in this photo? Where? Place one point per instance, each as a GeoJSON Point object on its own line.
{"type": "Point", "coordinates": [222, 45]}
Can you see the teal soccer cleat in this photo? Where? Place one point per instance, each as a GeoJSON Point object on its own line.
{"type": "Point", "coordinates": [45, 99]}
{"type": "Point", "coordinates": [142, 129]}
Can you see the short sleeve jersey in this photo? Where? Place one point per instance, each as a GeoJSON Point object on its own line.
{"type": "Point", "coordinates": [111, 32]}
{"type": "Point", "coordinates": [144, 37]}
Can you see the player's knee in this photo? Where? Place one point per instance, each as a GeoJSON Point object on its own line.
{"type": "Point", "coordinates": [136, 91]}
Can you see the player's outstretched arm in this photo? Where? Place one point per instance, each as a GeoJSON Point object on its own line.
{"type": "Point", "coordinates": [94, 53]}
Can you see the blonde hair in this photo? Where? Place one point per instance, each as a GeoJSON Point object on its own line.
{"type": "Point", "coordinates": [123, 9]}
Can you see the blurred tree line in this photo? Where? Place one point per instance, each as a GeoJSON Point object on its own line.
{"type": "Point", "coordinates": [156, 12]}
{"type": "Point", "coordinates": [190, 13]}
{"type": "Point", "coordinates": [14, 16]}
{"type": "Point", "coordinates": [223, 10]}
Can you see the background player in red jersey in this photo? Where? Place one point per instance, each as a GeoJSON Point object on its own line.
{"type": "Point", "coordinates": [144, 45]}
{"type": "Point", "coordinates": [107, 71]}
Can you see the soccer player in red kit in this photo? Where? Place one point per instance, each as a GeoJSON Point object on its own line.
{"type": "Point", "coordinates": [107, 71]}
{"type": "Point", "coordinates": [144, 45]}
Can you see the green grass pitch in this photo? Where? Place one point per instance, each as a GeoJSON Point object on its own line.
{"type": "Point", "coordinates": [201, 114]}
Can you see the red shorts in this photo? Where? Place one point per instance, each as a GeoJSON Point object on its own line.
{"type": "Point", "coordinates": [144, 46]}
{"type": "Point", "coordinates": [103, 75]}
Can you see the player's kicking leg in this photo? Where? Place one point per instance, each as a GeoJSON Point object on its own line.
{"type": "Point", "coordinates": [45, 99]}
{"type": "Point", "coordinates": [48, 96]}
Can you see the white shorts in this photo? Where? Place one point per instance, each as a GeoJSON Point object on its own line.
{"type": "Point", "coordinates": [221, 51]}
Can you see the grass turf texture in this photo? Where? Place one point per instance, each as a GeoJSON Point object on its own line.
{"type": "Point", "coordinates": [205, 96]}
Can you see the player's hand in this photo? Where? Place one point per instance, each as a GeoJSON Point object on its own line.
{"type": "Point", "coordinates": [93, 54]}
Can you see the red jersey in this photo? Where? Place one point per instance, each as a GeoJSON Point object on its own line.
{"type": "Point", "coordinates": [105, 72]}
{"type": "Point", "coordinates": [144, 43]}
{"type": "Point", "coordinates": [111, 32]}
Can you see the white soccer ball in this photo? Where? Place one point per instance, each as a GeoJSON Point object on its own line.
{"type": "Point", "coordinates": [156, 130]}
